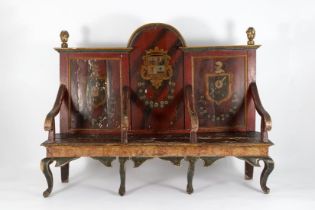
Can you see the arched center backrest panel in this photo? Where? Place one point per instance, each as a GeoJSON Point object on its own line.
{"type": "Point", "coordinates": [156, 78]}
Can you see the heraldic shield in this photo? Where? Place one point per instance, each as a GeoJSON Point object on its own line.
{"type": "Point", "coordinates": [218, 87]}
{"type": "Point", "coordinates": [156, 67]}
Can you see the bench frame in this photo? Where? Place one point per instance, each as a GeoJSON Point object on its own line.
{"type": "Point", "coordinates": [128, 149]}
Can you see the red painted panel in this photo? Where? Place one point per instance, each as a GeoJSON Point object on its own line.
{"type": "Point", "coordinates": [94, 82]}
{"type": "Point", "coordinates": [157, 100]}
{"type": "Point", "coordinates": [220, 81]}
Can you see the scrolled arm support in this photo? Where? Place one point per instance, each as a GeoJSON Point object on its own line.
{"type": "Point", "coordinates": [192, 113]}
{"type": "Point", "coordinates": [124, 115]}
{"type": "Point", "coordinates": [266, 123]}
{"type": "Point", "coordinates": [49, 124]}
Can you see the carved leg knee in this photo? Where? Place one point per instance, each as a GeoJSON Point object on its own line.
{"type": "Point", "coordinates": [269, 165]}
{"type": "Point", "coordinates": [190, 174]}
{"type": "Point", "coordinates": [249, 169]}
{"type": "Point", "coordinates": [44, 166]}
{"type": "Point", "coordinates": [65, 173]}
{"type": "Point", "coordinates": [122, 171]}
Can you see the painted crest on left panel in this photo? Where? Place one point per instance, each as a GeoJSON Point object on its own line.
{"type": "Point", "coordinates": [94, 96]}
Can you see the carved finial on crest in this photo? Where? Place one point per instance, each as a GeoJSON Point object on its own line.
{"type": "Point", "coordinates": [251, 36]}
{"type": "Point", "coordinates": [64, 36]}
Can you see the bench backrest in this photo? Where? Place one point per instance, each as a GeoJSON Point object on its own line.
{"type": "Point", "coordinates": [156, 67]}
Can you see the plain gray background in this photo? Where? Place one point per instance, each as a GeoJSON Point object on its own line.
{"type": "Point", "coordinates": [29, 81]}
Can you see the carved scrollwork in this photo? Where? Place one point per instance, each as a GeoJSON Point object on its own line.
{"type": "Point", "coordinates": [253, 161]}
{"type": "Point", "coordinates": [106, 161]}
{"type": "Point", "coordinates": [208, 161]}
{"type": "Point", "coordinates": [175, 160]}
{"type": "Point", "coordinates": [139, 160]}
{"type": "Point", "coordinates": [63, 161]}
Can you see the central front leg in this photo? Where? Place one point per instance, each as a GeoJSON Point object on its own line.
{"type": "Point", "coordinates": [190, 174]}
{"type": "Point", "coordinates": [122, 171]}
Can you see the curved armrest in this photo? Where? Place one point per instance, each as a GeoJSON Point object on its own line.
{"type": "Point", "coordinates": [192, 113]}
{"type": "Point", "coordinates": [266, 123]}
{"type": "Point", "coordinates": [49, 124]}
{"type": "Point", "coordinates": [124, 115]}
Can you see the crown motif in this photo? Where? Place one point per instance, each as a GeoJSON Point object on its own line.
{"type": "Point", "coordinates": [156, 51]}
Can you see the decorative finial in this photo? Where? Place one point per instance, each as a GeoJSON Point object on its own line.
{"type": "Point", "coordinates": [250, 35]}
{"type": "Point", "coordinates": [64, 35]}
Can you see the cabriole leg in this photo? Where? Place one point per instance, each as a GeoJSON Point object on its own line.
{"type": "Point", "coordinates": [65, 173]}
{"type": "Point", "coordinates": [269, 165]}
{"type": "Point", "coordinates": [249, 170]}
{"type": "Point", "coordinates": [44, 166]}
{"type": "Point", "coordinates": [190, 174]}
{"type": "Point", "coordinates": [122, 171]}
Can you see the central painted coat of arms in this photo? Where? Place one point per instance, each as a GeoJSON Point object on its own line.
{"type": "Point", "coordinates": [156, 67]}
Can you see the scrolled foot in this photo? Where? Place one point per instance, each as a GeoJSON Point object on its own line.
{"type": "Point", "coordinates": [122, 190]}
{"type": "Point", "coordinates": [44, 166]}
{"type": "Point", "coordinates": [269, 166]}
{"type": "Point", "coordinates": [46, 193]}
{"type": "Point", "coordinates": [189, 189]}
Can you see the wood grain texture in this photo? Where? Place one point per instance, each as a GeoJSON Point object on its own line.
{"type": "Point", "coordinates": [161, 150]}
{"type": "Point", "coordinates": [216, 144]}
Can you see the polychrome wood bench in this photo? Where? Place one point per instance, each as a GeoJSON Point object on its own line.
{"type": "Point", "coordinates": [157, 98]}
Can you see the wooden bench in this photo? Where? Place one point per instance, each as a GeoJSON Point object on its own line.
{"type": "Point", "coordinates": [157, 98]}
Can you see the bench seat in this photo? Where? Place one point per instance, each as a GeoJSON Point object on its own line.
{"type": "Point", "coordinates": [209, 144]}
